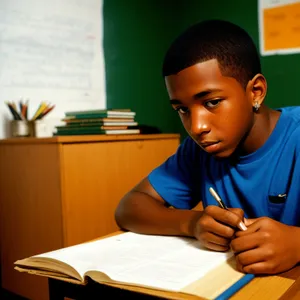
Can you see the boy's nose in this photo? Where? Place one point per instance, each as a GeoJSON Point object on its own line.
{"type": "Point", "coordinates": [199, 124]}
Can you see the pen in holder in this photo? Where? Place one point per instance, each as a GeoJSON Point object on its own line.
{"type": "Point", "coordinates": [21, 126]}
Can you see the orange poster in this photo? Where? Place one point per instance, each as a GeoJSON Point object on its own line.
{"type": "Point", "coordinates": [279, 26]}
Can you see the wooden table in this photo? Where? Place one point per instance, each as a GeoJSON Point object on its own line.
{"type": "Point", "coordinates": [264, 287]}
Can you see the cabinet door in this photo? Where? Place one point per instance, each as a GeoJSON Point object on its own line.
{"type": "Point", "coordinates": [30, 212]}
{"type": "Point", "coordinates": [97, 175]}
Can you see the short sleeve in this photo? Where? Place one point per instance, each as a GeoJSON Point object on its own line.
{"type": "Point", "coordinates": [174, 179]}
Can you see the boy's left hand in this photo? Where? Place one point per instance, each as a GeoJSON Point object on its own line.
{"type": "Point", "coordinates": [266, 247]}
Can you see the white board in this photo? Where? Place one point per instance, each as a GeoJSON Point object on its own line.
{"type": "Point", "coordinates": [51, 51]}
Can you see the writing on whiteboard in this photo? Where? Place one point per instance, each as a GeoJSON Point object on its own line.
{"type": "Point", "coordinates": [53, 51]}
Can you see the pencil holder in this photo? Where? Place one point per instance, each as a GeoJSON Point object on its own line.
{"type": "Point", "coordinates": [21, 128]}
{"type": "Point", "coordinates": [41, 129]}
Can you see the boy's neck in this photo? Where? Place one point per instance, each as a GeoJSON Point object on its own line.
{"type": "Point", "coordinates": [264, 124]}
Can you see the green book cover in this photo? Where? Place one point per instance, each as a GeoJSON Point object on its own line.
{"type": "Point", "coordinates": [95, 124]}
{"type": "Point", "coordinates": [73, 120]}
{"type": "Point", "coordinates": [86, 131]}
{"type": "Point", "coordinates": [100, 113]}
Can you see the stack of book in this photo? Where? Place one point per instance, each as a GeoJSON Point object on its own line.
{"type": "Point", "coordinates": [104, 121]}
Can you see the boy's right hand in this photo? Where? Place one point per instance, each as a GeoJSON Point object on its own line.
{"type": "Point", "coordinates": [217, 226]}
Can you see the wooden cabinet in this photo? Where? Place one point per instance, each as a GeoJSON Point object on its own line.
{"type": "Point", "coordinates": [60, 191]}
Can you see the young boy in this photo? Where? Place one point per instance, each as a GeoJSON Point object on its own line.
{"type": "Point", "coordinates": [247, 152]}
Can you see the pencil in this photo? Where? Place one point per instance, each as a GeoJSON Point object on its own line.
{"type": "Point", "coordinates": [26, 109]}
{"type": "Point", "coordinates": [241, 225]}
{"type": "Point", "coordinates": [39, 109]}
{"type": "Point", "coordinates": [45, 112]}
{"type": "Point", "coordinates": [13, 111]}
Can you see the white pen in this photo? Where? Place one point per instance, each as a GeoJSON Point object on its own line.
{"type": "Point", "coordinates": [241, 225]}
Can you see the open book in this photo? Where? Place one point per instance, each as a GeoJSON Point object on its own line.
{"type": "Point", "coordinates": [161, 263]}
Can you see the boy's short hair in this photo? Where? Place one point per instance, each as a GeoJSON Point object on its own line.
{"type": "Point", "coordinates": [228, 43]}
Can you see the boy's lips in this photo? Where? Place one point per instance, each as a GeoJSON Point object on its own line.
{"type": "Point", "coordinates": [207, 143]}
{"type": "Point", "coordinates": [210, 146]}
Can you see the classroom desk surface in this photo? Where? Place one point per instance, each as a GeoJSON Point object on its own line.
{"type": "Point", "coordinates": [283, 286]}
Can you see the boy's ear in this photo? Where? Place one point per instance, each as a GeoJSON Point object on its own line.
{"type": "Point", "coordinates": [257, 87]}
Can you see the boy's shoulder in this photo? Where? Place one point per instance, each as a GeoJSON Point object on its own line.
{"type": "Point", "coordinates": [290, 125]}
{"type": "Point", "coordinates": [289, 120]}
{"type": "Point", "coordinates": [292, 113]}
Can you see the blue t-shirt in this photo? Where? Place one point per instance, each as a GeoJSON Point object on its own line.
{"type": "Point", "coordinates": [263, 183]}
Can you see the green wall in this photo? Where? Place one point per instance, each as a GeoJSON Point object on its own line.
{"type": "Point", "coordinates": [282, 71]}
{"type": "Point", "coordinates": [137, 34]}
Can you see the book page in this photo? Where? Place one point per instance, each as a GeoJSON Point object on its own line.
{"type": "Point", "coordinates": [163, 262]}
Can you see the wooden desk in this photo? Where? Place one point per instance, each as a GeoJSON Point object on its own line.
{"type": "Point", "coordinates": [284, 286]}
{"type": "Point", "coordinates": [60, 191]}
{"type": "Point", "coordinates": [257, 289]}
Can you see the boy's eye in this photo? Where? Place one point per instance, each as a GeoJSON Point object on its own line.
{"type": "Point", "coordinates": [181, 109]}
{"type": "Point", "coordinates": [212, 103]}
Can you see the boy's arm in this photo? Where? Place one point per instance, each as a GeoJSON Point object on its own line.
{"type": "Point", "coordinates": [142, 210]}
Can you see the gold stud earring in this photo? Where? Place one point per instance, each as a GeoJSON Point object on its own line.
{"type": "Point", "coordinates": [256, 106]}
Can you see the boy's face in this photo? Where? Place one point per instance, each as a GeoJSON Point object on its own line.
{"type": "Point", "coordinates": [215, 110]}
